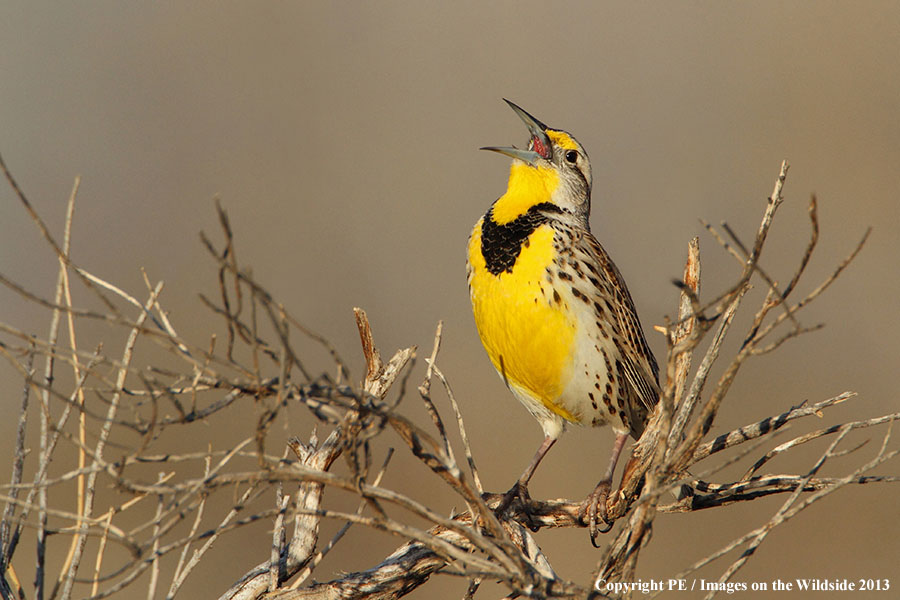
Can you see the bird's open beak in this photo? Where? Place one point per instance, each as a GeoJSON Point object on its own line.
{"type": "Point", "coordinates": [538, 146]}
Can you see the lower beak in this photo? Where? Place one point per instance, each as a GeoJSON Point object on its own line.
{"type": "Point", "coordinates": [527, 156]}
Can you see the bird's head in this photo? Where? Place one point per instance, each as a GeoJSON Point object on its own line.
{"type": "Point", "coordinates": [555, 168]}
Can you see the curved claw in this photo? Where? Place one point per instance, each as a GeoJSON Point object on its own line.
{"type": "Point", "coordinates": [596, 531]}
{"type": "Point", "coordinates": [594, 506]}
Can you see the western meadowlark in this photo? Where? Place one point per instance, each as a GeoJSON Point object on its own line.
{"type": "Point", "coordinates": [552, 309]}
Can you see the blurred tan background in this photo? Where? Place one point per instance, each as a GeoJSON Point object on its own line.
{"type": "Point", "coordinates": [342, 139]}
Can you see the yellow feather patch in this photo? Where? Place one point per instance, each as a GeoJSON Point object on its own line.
{"type": "Point", "coordinates": [527, 186]}
{"type": "Point", "coordinates": [529, 339]}
{"type": "Point", "coordinates": [562, 139]}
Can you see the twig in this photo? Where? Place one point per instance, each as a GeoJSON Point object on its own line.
{"type": "Point", "coordinates": [782, 514]}
{"type": "Point", "coordinates": [470, 458]}
{"type": "Point", "coordinates": [90, 488]}
{"type": "Point", "coordinates": [767, 425]}
{"type": "Point", "coordinates": [686, 331]}
{"type": "Point", "coordinates": [181, 570]}
{"type": "Point", "coordinates": [7, 543]}
{"type": "Point", "coordinates": [814, 435]}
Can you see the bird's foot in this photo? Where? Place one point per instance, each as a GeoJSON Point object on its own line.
{"type": "Point", "coordinates": [517, 501]}
{"type": "Point", "coordinates": [595, 506]}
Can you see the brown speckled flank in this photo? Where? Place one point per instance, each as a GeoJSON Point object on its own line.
{"type": "Point", "coordinates": [620, 371]}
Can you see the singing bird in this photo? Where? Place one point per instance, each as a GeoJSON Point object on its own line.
{"type": "Point", "coordinates": [552, 309]}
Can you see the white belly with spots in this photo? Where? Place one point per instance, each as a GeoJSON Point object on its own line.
{"type": "Point", "coordinates": [597, 391]}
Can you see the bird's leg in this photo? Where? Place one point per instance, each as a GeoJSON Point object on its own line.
{"type": "Point", "coordinates": [595, 504]}
{"type": "Point", "coordinates": [519, 491]}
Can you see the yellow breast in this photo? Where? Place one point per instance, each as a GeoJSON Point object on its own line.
{"type": "Point", "coordinates": [527, 335]}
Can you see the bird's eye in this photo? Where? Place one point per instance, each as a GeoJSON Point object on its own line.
{"type": "Point", "coordinates": [571, 156]}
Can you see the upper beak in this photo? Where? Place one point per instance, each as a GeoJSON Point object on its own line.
{"type": "Point", "coordinates": [539, 145]}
